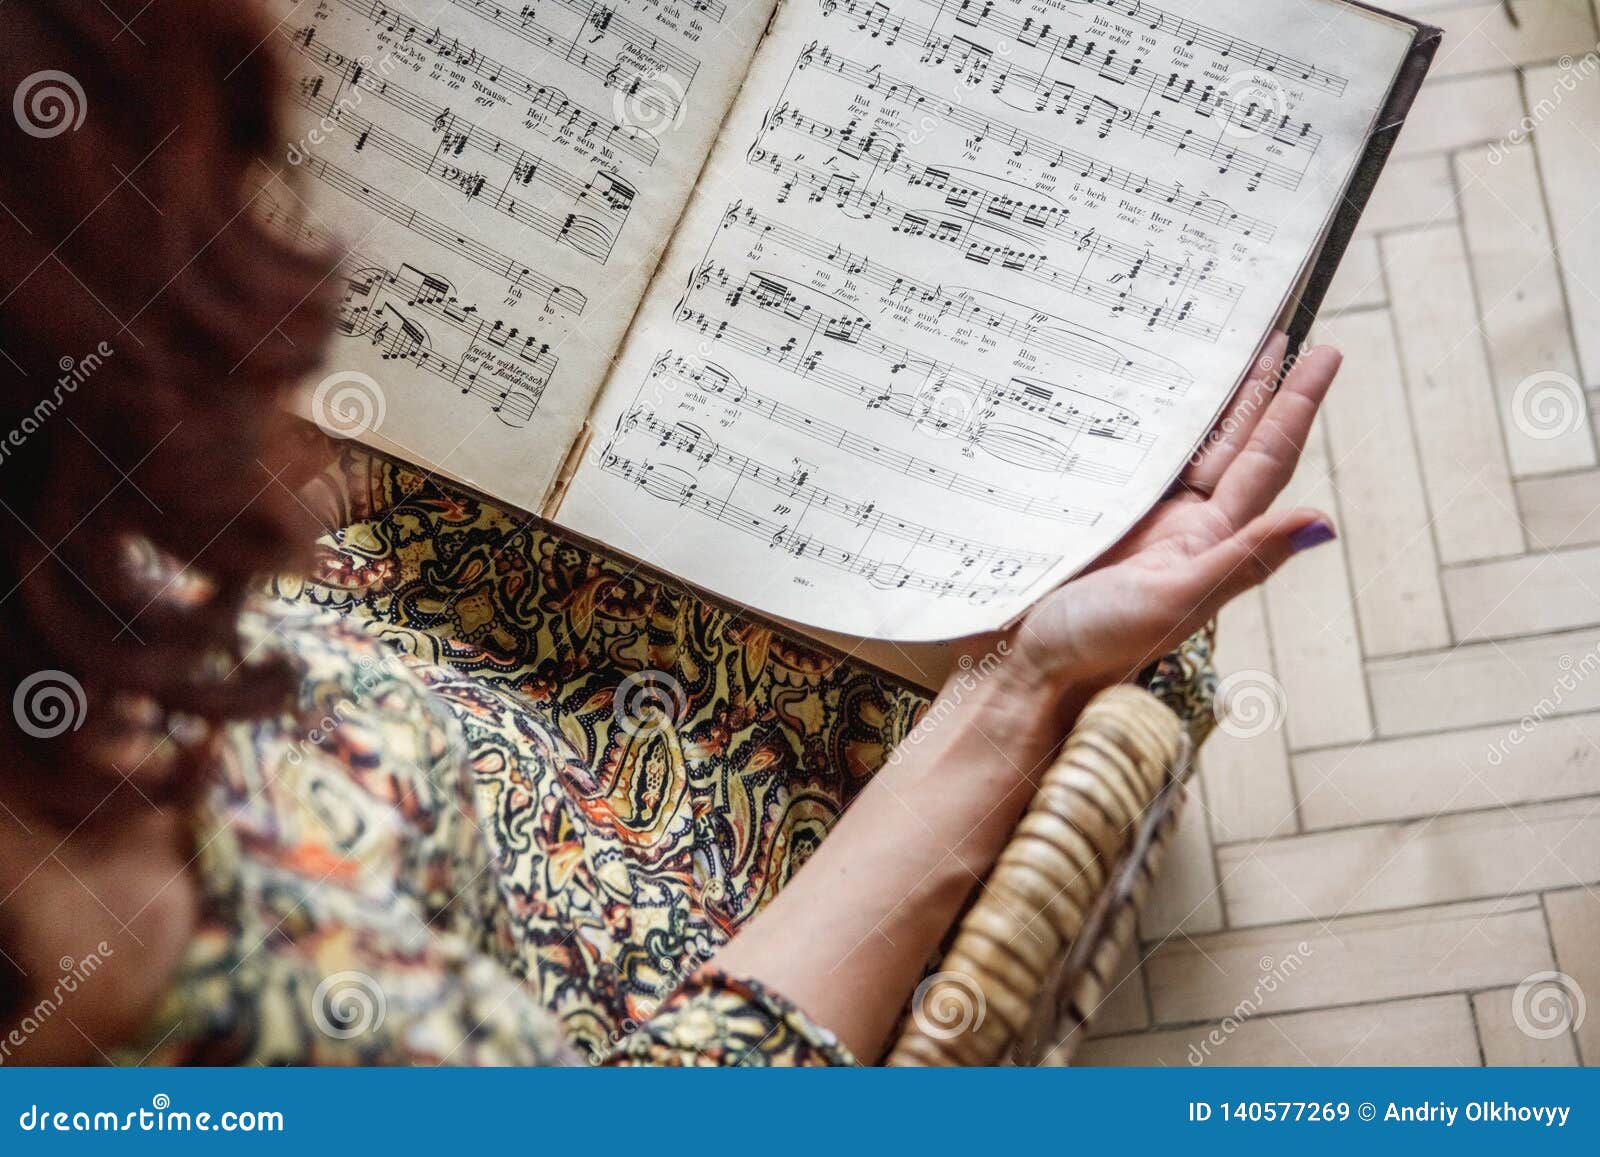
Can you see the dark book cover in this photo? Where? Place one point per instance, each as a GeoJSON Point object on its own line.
{"type": "Point", "coordinates": [1408, 82]}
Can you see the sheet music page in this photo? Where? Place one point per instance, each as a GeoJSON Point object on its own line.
{"type": "Point", "coordinates": [964, 284]}
{"type": "Point", "coordinates": [505, 176]}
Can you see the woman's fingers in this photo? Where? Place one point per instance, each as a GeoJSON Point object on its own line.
{"type": "Point", "coordinates": [1267, 461]}
{"type": "Point", "coordinates": [1239, 420]}
{"type": "Point", "coordinates": [1247, 559]}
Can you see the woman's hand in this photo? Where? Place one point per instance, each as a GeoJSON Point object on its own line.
{"type": "Point", "coordinates": [1209, 541]}
{"type": "Point", "coordinates": [848, 937]}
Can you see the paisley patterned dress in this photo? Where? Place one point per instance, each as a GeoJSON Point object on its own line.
{"type": "Point", "coordinates": [525, 795]}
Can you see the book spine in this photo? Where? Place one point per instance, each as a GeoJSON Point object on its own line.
{"type": "Point", "coordinates": [551, 506]}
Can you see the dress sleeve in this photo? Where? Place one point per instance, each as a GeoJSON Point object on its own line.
{"type": "Point", "coordinates": [717, 1020]}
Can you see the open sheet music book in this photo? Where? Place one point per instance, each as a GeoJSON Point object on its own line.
{"type": "Point", "coordinates": [877, 318]}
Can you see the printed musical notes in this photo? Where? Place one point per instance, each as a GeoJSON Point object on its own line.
{"type": "Point", "coordinates": [1027, 423]}
{"type": "Point", "coordinates": [784, 504]}
{"type": "Point", "coordinates": [965, 284]}
{"type": "Point", "coordinates": [984, 132]}
{"type": "Point", "coordinates": [967, 215]}
{"type": "Point", "coordinates": [495, 169]}
{"type": "Point", "coordinates": [684, 377]}
{"type": "Point", "coordinates": [1038, 90]}
{"type": "Point", "coordinates": [600, 40]}
{"type": "Point", "coordinates": [1046, 331]}
{"type": "Point", "coordinates": [1192, 32]}
{"type": "Point", "coordinates": [515, 274]}
{"type": "Point", "coordinates": [1088, 49]}
{"type": "Point", "coordinates": [592, 213]}
{"type": "Point", "coordinates": [549, 110]}
{"type": "Point", "coordinates": [419, 318]}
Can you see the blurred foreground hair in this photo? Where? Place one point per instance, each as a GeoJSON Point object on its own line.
{"type": "Point", "coordinates": [150, 323]}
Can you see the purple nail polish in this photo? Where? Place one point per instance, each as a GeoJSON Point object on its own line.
{"type": "Point", "coordinates": [1313, 534]}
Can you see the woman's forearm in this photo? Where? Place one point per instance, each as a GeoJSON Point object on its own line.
{"type": "Point", "coordinates": [847, 939]}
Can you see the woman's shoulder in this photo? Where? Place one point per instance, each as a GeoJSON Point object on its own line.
{"type": "Point", "coordinates": [367, 763]}
{"type": "Point", "coordinates": [348, 892]}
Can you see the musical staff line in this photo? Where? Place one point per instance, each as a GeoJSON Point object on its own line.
{"type": "Point", "coordinates": [515, 273]}
{"type": "Point", "coordinates": [593, 236]}
{"type": "Point", "coordinates": [689, 375]}
{"type": "Point", "coordinates": [659, 483]}
{"type": "Point", "coordinates": [1078, 49]}
{"type": "Point", "coordinates": [656, 60]}
{"type": "Point", "coordinates": [1061, 98]}
{"type": "Point", "coordinates": [1020, 142]}
{"type": "Point", "coordinates": [1060, 337]}
{"type": "Point", "coordinates": [980, 206]}
{"type": "Point", "coordinates": [1228, 46]}
{"type": "Point", "coordinates": [842, 190]}
{"type": "Point", "coordinates": [696, 444]}
{"type": "Point", "coordinates": [364, 311]}
{"type": "Point", "coordinates": [715, 10]}
{"type": "Point", "coordinates": [941, 398]}
{"type": "Point", "coordinates": [781, 297]}
{"type": "Point", "coordinates": [546, 98]}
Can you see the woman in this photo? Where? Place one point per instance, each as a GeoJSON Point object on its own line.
{"type": "Point", "coordinates": [410, 808]}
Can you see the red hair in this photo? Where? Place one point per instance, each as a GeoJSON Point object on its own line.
{"type": "Point", "coordinates": [149, 326]}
